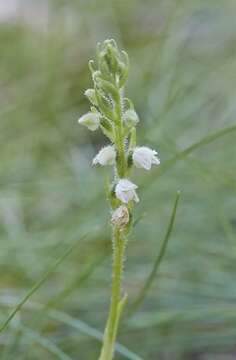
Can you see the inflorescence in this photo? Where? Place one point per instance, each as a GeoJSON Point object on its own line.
{"type": "Point", "coordinates": [115, 115]}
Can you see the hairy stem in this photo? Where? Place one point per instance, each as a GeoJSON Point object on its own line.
{"type": "Point", "coordinates": [119, 139]}
{"type": "Point", "coordinates": [117, 302]}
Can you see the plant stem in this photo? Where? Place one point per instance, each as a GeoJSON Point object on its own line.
{"type": "Point", "coordinates": [121, 166]}
{"type": "Point", "coordinates": [117, 302]}
{"type": "Point", "coordinates": [121, 163]}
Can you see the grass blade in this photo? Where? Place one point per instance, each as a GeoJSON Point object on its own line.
{"type": "Point", "coordinates": [74, 323]}
{"type": "Point", "coordinates": [77, 282]}
{"type": "Point", "coordinates": [151, 277]}
{"type": "Point", "coordinates": [181, 155]}
{"type": "Point", "coordinates": [38, 284]}
{"type": "Point", "coordinates": [91, 331]}
{"type": "Point", "coordinates": [45, 343]}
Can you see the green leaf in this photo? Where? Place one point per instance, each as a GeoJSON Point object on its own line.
{"type": "Point", "coordinates": [76, 324]}
{"type": "Point", "coordinates": [143, 292]}
{"type": "Point", "coordinates": [45, 343]}
{"type": "Point", "coordinates": [183, 154]}
{"type": "Point", "coordinates": [38, 284]}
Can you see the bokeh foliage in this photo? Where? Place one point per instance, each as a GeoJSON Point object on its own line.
{"type": "Point", "coordinates": [182, 81]}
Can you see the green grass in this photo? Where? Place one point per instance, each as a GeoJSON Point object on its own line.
{"type": "Point", "coordinates": [182, 81]}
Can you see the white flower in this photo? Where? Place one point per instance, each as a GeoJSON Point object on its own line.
{"type": "Point", "coordinates": [120, 217]}
{"type": "Point", "coordinates": [125, 191]}
{"type": "Point", "coordinates": [143, 157]}
{"type": "Point", "coordinates": [106, 156]}
{"type": "Point", "coordinates": [131, 117]}
{"type": "Point", "coordinates": [91, 120]}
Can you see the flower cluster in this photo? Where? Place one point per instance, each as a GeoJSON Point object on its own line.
{"type": "Point", "coordinates": [115, 115]}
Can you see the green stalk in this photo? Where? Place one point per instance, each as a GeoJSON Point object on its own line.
{"type": "Point", "coordinates": [119, 138]}
{"type": "Point", "coordinates": [117, 302]}
{"type": "Point", "coordinates": [121, 165]}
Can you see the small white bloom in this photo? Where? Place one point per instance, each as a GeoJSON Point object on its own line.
{"type": "Point", "coordinates": [131, 117]}
{"type": "Point", "coordinates": [143, 157]}
{"type": "Point", "coordinates": [106, 156]}
{"type": "Point", "coordinates": [125, 191]}
{"type": "Point", "coordinates": [90, 94]}
{"type": "Point", "coordinates": [91, 120]}
{"type": "Point", "coordinates": [120, 217]}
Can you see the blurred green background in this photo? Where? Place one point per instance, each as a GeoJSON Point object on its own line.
{"type": "Point", "coordinates": [182, 81]}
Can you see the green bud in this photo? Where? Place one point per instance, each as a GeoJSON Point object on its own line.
{"type": "Point", "coordinates": [123, 68]}
{"type": "Point", "coordinates": [106, 74]}
{"type": "Point", "coordinates": [91, 66]}
{"type": "Point", "coordinates": [106, 128]}
{"type": "Point", "coordinates": [96, 75]}
{"type": "Point", "coordinates": [108, 89]}
{"type": "Point", "coordinates": [128, 104]}
{"type": "Point", "coordinates": [106, 124]}
{"type": "Point", "coordinates": [104, 104]}
{"type": "Point", "coordinates": [113, 64]}
{"type": "Point", "coordinates": [123, 75]}
{"type": "Point", "coordinates": [90, 94]}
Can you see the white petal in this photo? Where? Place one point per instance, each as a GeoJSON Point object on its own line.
{"type": "Point", "coordinates": [131, 117]}
{"type": "Point", "coordinates": [124, 196]}
{"type": "Point", "coordinates": [126, 184]}
{"type": "Point", "coordinates": [125, 191]}
{"type": "Point", "coordinates": [91, 120]}
{"type": "Point", "coordinates": [106, 156]}
{"type": "Point", "coordinates": [144, 157]}
{"type": "Point", "coordinates": [155, 160]}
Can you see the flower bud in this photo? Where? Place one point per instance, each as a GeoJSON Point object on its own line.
{"type": "Point", "coordinates": [143, 157]}
{"type": "Point", "coordinates": [112, 63]}
{"type": "Point", "coordinates": [125, 191]}
{"type": "Point", "coordinates": [91, 120]}
{"type": "Point", "coordinates": [90, 94]}
{"type": "Point", "coordinates": [91, 66]}
{"type": "Point", "coordinates": [106, 128]}
{"type": "Point", "coordinates": [106, 156]}
{"type": "Point", "coordinates": [109, 89]}
{"type": "Point", "coordinates": [120, 217]}
{"type": "Point", "coordinates": [106, 124]}
{"type": "Point", "coordinates": [131, 118]}
{"type": "Point", "coordinates": [109, 56]}
{"type": "Point", "coordinates": [104, 103]}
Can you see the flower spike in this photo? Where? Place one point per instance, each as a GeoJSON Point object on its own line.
{"type": "Point", "coordinates": [116, 117]}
